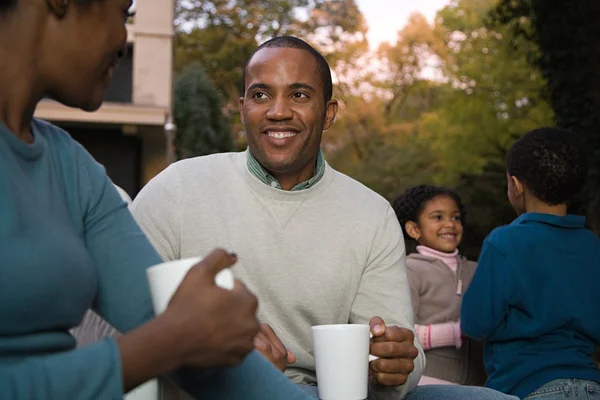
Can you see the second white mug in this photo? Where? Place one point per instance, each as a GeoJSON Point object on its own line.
{"type": "Point", "coordinates": [342, 360]}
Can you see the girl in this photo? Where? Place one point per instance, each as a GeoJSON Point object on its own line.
{"type": "Point", "coordinates": [432, 218]}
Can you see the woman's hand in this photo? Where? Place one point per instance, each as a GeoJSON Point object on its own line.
{"type": "Point", "coordinates": [204, 326]}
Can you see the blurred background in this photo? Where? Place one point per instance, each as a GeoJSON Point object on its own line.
{"type": "Point", "coordinates": [431, 91]}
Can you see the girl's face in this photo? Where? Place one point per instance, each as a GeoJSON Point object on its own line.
{"type": "Point", "coordinates": [439, 225]}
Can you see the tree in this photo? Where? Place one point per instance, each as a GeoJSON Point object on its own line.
{"type": "Point", "coordinates": [222, 34]}
{"type": "Point", "coordinates": [496, 96]}
{"type": "Point", "coordinates": [202, 127]}
{"type": "Point", "coordinates": [568, 35]}
{"type": "Point", "coordinates": [373, 138]}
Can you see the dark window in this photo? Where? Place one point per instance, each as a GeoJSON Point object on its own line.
{"type": "Point", "coordinates": [120, 89]}
{"type": "Point", "coordinates": [120, 155]}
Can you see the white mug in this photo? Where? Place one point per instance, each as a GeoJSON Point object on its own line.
{"type": "Point", "coordinates": [165, 278]}
{"type": "Point", "coordinates": [342, 360]}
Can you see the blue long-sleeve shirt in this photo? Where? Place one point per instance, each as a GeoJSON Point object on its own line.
{"type": "Point", "coordinates": [68, 243]}
{"type": "Point", "coordinates": [534, 300]}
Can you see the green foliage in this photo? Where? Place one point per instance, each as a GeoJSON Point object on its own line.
{"type": "Point", "coordinates": [568, 35]}
{"type": "Point", "coordinates": [497, 95]}
{"type": "Point", "coordinates": [222, 34]}
{"type": "Point", "coordinates": [201, 126]}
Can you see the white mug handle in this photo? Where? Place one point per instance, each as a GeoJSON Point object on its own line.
{"type": "Point", "coordinates": [371, 356]}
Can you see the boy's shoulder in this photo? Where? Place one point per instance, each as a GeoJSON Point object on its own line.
{"type": "Point", "coordinates": [505, 237]}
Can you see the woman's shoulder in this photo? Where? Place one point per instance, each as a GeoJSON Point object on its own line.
{"type": "Point", "coordinates": [61, 143]}
{"type": "Point", "coordinates": [51, 132]}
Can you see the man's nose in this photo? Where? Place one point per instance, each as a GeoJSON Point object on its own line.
{"type": "Point", "coordinates": [280, 109]}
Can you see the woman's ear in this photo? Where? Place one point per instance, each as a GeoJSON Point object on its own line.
{"type": "Point", "coordinates": [412, 229]}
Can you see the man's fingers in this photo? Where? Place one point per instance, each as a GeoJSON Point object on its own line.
{"type": "Point", "coordinates": [272, 336]}
{"type": "Point", "coordinates": [262, 344]}
{"type": "Point", "coordinates": [384, 379]}
{"type": "Point", "coordinates": [377, 326]}
{"type": "Point", "coordinates": [291, 358]}
{"type": "Point", "coordinates": [396, 334]}
{"type": "Point", "coordinates": [388, 349]}
{"type": "Point", "coordinates": [392, 365]}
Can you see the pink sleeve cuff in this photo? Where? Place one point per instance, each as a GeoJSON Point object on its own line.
{"type": "Point", "coordinates": [439, 335]}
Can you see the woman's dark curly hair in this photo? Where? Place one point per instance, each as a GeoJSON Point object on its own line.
{"type": "Point", "coordinates": [410, 204]}
{"type": "Point", "coordinates": [551, 162]}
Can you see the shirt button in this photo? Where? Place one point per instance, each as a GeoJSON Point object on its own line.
{"type": "Point", "coordinates": [273, 184]}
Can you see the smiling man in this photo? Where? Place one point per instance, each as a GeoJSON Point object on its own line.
{"type": "Point", "coordinates": [316, 246]}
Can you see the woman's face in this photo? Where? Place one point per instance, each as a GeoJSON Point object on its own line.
{"type": "Point", "coordinates": [79, 50]}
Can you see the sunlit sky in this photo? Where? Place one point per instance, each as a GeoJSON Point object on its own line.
{"type": "Point", "coordinates": [386, 17]}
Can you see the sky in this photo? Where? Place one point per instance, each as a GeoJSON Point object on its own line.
{"type": "Point", "coordinates": [386, 17]}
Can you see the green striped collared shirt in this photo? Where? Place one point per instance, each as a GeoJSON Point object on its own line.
{"type": "Point", "coordinates": [258, 171]}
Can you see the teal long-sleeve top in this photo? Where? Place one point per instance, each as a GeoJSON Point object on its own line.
{"type": "Point", "coordinates": [69, 243]}
{"type": "Point", "coordinates": [534, 301]}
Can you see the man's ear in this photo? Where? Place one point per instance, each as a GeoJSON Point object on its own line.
{"type": "Point", "coordinates": [59, 7]}
{"type": "Point", "coordinates": [330, 113]}
{"type": "Point", "coordinates": [241, 108]}
{"type": "Point", "coordinates": [412, 229]}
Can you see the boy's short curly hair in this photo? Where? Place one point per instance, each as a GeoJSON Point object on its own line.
{"type": "Point", "coordinates": [551, 162]}
{"type": "Point", "coordinates": [409, 205]}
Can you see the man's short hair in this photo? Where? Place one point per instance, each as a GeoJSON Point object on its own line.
{"type": "Point", "coordinates": [291, 42]}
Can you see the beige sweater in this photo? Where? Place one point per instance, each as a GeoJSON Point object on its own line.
{"type": "Point", "coordinates": [330, 254]}
{"type": "Point", "coordinates": [434, 291]}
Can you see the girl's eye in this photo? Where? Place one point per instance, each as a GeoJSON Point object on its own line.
{"type": "Point", "coordinates": [437, 217]}
{"type": "Point", "coordinates": [457, 218]}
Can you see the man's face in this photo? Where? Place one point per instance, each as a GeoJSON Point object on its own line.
{"type": "Point", "coordinates": [284, 110]}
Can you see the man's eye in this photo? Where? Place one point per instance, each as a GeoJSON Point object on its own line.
{"type": "Point", "coordinates": [299, 95]}
{"type": "Point", "coordinates": [258, 95]}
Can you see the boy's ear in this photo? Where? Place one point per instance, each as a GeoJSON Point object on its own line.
{"type": "Point", "coordinates": [518, 185]}
{"type": "Point", "coordinates": [412, 230]}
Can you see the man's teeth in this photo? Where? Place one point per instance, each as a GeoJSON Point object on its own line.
{"type": "Point", "coordinates": [281, 135]}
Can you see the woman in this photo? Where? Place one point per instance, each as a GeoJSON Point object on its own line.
{"type": "Point", "coordinates": [68, 242]}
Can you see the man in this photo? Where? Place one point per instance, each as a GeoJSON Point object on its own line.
{"type": "Point", "coordinates": [314, 245]}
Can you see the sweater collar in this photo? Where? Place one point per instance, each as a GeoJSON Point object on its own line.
{"type": "Point", "coordinates": [568, 221]}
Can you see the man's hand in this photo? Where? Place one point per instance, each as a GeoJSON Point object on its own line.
{"type": "Point", "coordinates": [268, 344]}
{"type": "Point", "coordinates": [396, 351]}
